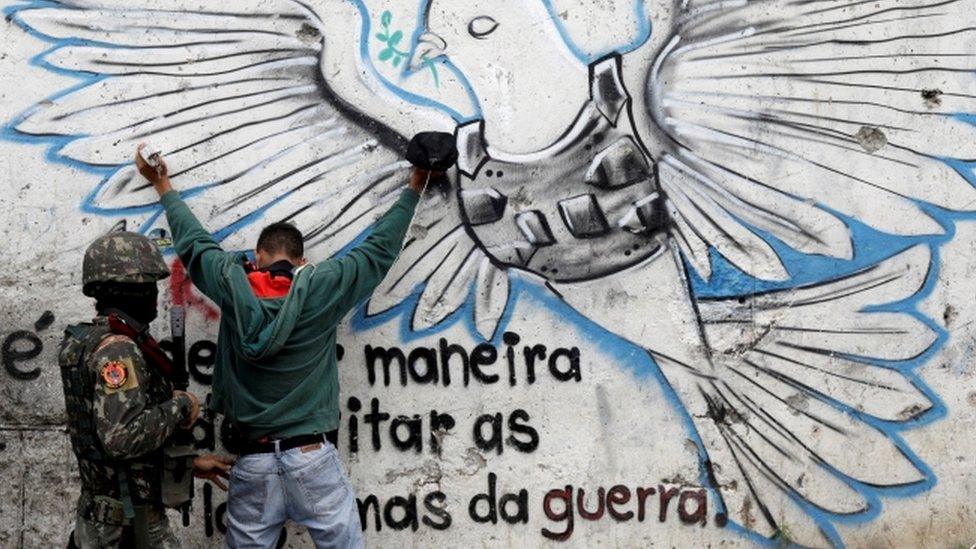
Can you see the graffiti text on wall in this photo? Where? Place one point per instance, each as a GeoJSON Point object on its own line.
{"type": "Point", "coordinates": [513, 363]}
{"type": "Point", "coordinates": [562, 507]}
{"type": "Point", "coordinates": [22, 346]}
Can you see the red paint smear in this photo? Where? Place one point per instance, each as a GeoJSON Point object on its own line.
{"type": "Point", "coordinates": [185, 294]}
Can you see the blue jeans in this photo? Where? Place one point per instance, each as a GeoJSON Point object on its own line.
{"type": "Point", "coordinates": [305, 485]}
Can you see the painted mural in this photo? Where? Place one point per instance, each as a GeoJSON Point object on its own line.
{"type": "Point", "coordinates": [743, 202]}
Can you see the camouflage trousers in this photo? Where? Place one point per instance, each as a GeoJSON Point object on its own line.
{"type": "Point", "coordinates": [91, 535]}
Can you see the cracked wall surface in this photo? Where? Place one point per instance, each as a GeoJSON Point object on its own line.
{"type": "Point", "coordinates": [701, 276]}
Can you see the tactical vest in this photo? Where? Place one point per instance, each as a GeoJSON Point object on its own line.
{"type": "Point", "coordinates": [585, 207]}
{"type": "Point", "coordinates": [104, 478]}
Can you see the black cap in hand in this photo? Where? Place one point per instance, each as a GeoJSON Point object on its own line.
{"type": "Point", "coordinates": [433, 151]}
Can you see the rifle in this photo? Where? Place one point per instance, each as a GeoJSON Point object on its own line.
{"type": "Point", "coordinates": [178, 455]}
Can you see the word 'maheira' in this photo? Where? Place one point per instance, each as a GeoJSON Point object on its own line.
{"type": "Point", "coordinates": [485, 363]}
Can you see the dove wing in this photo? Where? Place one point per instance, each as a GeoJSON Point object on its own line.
{"type": "Point", "coordinates": [782, 118]}
{"type": "Point", "coordinates": [804, 396]}
{"type": "Point", "coordinates": [782, 123]}
{"type": "Point", "coordinates": [265, 110]}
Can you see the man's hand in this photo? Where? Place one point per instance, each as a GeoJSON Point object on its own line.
{"type": "Point", "coordinates": [212, 468]}
{"type": "Point", "coordinates": [158, 176]}
{"type": "Point", "coordinates": [419, 179]}
{"type": "Point", "coordinates": [194, 410]}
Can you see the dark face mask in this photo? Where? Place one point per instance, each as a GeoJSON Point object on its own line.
{"type": "Point", "coordinates": [138, 301]}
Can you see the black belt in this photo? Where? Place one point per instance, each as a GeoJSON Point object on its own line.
{"type": "Point", "coordinates": [283, 444]}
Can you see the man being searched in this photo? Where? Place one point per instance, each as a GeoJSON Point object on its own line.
{"type": "Point", "coordinates": [122, 410]}
{"type": "Point", "coordinates": [275, 376]}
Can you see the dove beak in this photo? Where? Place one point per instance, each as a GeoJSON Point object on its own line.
{"type": "Point", "coordinates": [429, 47]}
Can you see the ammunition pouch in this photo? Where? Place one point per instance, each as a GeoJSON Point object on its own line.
{"type": "Point", "coordinates": [110, 511]}
{"type": "Point", "coordinates": [101, 509]}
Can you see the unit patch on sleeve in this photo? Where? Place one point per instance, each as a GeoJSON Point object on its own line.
{"type": "Point", "coordinates": [115, 374]}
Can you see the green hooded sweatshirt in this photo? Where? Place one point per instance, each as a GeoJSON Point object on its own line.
{"type": "Point", "coordinates": [275, 373]}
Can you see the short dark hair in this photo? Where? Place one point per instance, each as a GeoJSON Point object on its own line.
{"type": "Point", "coordinates": [282, 237]}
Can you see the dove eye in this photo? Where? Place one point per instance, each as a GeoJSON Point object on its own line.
{"type": "Point", "coordinates": [481, 27]}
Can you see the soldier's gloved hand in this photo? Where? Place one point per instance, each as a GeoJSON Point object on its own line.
{"type": "Point", "coordinates": [194, 409]}
{"type": "Point", "coordinates": [212, 468]}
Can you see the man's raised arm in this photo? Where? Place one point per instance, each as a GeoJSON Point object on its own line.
{"type": "Point", "coordinates": [202, 257]}
{"type": "Point", "coordinates": [361, 270]}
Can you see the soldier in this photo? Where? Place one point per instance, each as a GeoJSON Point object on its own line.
{"type": "Point", "coordinates": [120, 405]}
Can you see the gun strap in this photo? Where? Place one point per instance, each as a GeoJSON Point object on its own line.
{"type": "Point", "coordinates": [119, 324]}
{"type": "Point", "coordinates": [140, 527]}
{"type": "Point", "coordinates": [124, 496]}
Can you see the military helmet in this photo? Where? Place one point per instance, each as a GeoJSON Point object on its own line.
{"type": "Point", "coordinates": [122, 257]}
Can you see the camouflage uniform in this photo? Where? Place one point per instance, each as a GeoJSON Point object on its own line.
{"type": "Point", "coordinates": [120, 410]}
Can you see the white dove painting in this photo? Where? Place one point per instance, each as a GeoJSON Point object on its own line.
{"type": "Point", "coordinates": [752, 194]}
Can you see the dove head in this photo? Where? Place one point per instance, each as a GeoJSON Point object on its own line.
{"type": "Point", "coordinates": [511, 53]}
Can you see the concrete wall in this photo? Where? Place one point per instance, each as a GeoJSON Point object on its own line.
{"type": "Point", "coordinates": [702, 279]}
